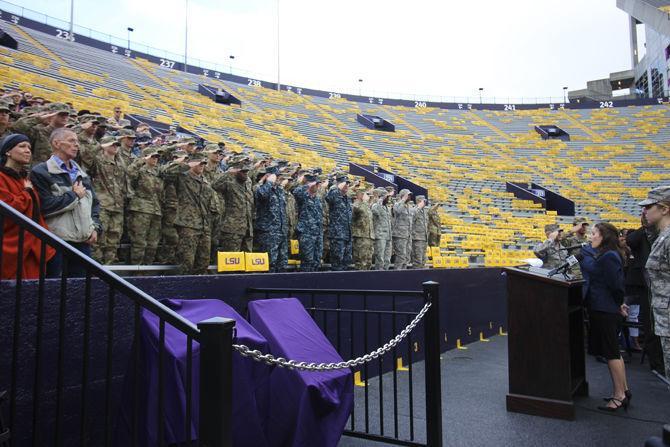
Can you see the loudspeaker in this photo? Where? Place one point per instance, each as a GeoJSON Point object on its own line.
{"type": "Point", "coordinates": [8, 41]}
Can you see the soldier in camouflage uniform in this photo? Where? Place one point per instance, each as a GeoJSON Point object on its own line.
{"type": "Point", "coordinates": [434, 225]}
{"type": "Point", "coordinates": [323, 191]}
{"type": "Point", "coordinates": [195, 204]}
{"type": "Point", "coordinates": [38, 128]}
{"type": "Point", "coordinates": [402, 230]}
{"type": "Point", "coordinates": [271, 226]}
{"type": "Point", "coordinates": [362, 231]}
{"type": "Point", "coordinates": [657, 212]}
{"type": "Point", "coordinates": [390, 190]}
{"type": "Point", "coordinates": [5, 111]}
{"type": "Point", "coordinates": [110, 183]}
{"type": "Point", "coordinates": [551, 251]}
{"type": "Point", "coordinates": [127, 140]}
{"type": "Point", "coordinates": [577, 236]}
{"type": "Point", "coordinates": [87, 142]}
{"type": "Point", "coordinates": [212, 173]}
{"type": "Point", "coordinates": [144, 208]}
{"type": "Point", "coordinates": [310, 223]}
{"type": "Point", "coordinates": [339, 225]}
{"type": "Point", "coordinates": [419, 233]}
{"type": "Point", "coordinates": [383, 231]}
{"type": "Point", "coordinates": [236, 193]}
{"type": "Point", "coordinates": [169, 237]}
{"type": "Point", "coordinates": [291, 210]}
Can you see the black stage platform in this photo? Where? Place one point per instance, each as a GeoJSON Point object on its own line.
{"type": "Point", "coordinates": [474, 387]}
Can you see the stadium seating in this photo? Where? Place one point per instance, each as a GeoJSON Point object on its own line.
{"type": "Point", "coordinates": [463, 157]}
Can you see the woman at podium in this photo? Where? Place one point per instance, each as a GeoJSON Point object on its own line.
{"type": "Point", "coordinates": [602, 267]}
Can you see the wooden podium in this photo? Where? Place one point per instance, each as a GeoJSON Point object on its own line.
{"type": "Point", "coordinates": [545, 344]}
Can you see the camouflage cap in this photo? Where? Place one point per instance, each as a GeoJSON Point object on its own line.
{"type": "Point", "coordinates": [550, 228]}
{"type": "Point", "coordinates": [197, 156]}
{"type": "Point", "coordinates": [88, 118]}
{"type": "Point", "coordinates": [30, 110]}
{"type": "Point", "coordinates": [150, 151]}
{"type": "Point", "coordinates": [404, 192]}
{"type": "Point", "coordinates": [185, 141]}
{"type": "Point", "coordinates": [6, 107]}
{"type": "Point", "coordinates": [417, 198]}
{"type": "Point", "coordinates": [126, 133]}
{"type": "Point", "coordinates": [212, 148]}
{"type": "Point", "coordinates": [241, 164]}
{"type": "Point", "coordinates": [662, 193]}
{"type": "Point", "coordinates": [57, 108]}
{"type": "Point", "coordinates": [342, 178]}
{"type": "Point", "coordinates": [381, 192]}
{"type": "Point", "coordinates": [580, 220]}
{"type": "Point", "coordinates": [311, 177]}
{"type": "Point", "coordinates": [178, 153]}
{"type": "Point", "coordinates": [108, 141]}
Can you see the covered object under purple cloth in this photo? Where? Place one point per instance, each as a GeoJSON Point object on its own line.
{"type": "Point", "coordinates": [250, 381]}
{"type": "Point", "coordinates": [308, 409]}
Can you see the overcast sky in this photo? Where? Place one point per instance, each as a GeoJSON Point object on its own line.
{"type": "Point", "coordinates": [515, 48]}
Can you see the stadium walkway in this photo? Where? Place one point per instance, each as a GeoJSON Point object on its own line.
{"type": "Point", "coordinates": [475, 384]}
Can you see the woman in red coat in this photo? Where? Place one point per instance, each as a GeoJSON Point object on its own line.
{"type": "Point", "coordinates": [17, 191]}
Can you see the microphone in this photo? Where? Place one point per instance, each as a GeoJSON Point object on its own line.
{"type": "Point", "coordinates": [572, 260]}
{"type": "Point", "coordinates": [583, 244]}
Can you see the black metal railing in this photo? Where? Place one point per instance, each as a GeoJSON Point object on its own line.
{"type": "Point", "coordinates": [357, 322]}
{"type": "Point", "coordinates": [66, 351]}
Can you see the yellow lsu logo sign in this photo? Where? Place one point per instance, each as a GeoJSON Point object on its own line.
{"type": "Point", "coordinates": [256, 262]}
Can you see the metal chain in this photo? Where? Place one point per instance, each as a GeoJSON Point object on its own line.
{"type": "Point", "coordinates": [271, 360]}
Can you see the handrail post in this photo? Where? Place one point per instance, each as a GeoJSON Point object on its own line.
{"type": "Point", "coordinates": [432, 362]}
{"type": "Point", "coordinates": [216, 382]}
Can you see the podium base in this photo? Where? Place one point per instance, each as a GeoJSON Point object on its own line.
{"type": "Point", "coordinates": [537, 406]}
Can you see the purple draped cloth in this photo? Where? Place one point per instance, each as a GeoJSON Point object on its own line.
{"type": "Point", "coordinates": [307, 409]}
{"type": "Point", "coordinates": [251, 381]}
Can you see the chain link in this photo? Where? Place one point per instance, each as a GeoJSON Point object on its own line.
{"type": "Point", "coordinates": [271, 360]}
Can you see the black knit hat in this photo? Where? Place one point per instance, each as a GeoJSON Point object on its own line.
{"type": "Point", "coordinates": [8, 143]}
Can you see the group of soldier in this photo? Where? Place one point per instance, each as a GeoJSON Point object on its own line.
{"type": "Point", "coordinates": [178, 201]}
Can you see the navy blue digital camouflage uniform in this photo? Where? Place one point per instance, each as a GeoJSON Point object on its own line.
{"type": "Point", "coordinates": [271, 226]}
{"type": "Point", "coordinates": [339, 229]}
{"type": "Point", "coordinates": [309, 228]}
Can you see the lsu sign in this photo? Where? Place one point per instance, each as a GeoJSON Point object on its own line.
{"type": "Point", "coordinates": [256, 262]}
{"type": "Point", "coordinates": [229, 261]}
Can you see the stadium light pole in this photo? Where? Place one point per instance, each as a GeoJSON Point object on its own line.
{"type": "Point", "coordinates": [231, 57]}
{"type": "Point", "coordinates": [130, 30]}
{"type": "Point", "coordinates": [186, 36]}
{"type": "Point", "coordinates": [565, 92]}
{"type": "Point", "coordinates": [71, 20]}
{"type": "Point", "coordinates": [360, 83]}
{"type": "Point", "coordinates": [481, 89]}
